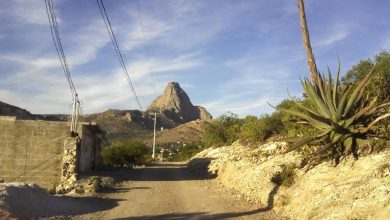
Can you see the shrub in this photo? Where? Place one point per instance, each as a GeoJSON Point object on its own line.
{"type": "Point", "coordinates": [380, 83]}
{"type": "Point", "coordinates": [285, 177]}
{"type": "Point", "coordinates": [229, 128]}
{"type": "Point", "coordinates": [79, 189]}
{"type": "Point", "coordinates": [95, 181]}
{"type": "Point", "coordinates": [186, 152]}
{"type": "Point", "coordinates": [291, 125]}
{"type": "Point", "coordinates": [214, 134]}
{"type": "Point", "coordinates": [255, 130]}
{"type": "Point", "coordinates": [232, 126]}
{"type": "Point", "coordinates": [122, 153]}
{"type": "Point", "coordinates": [224, 130]}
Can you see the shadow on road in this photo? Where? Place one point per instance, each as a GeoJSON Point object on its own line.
{"type": "Point", "coordinates": [171, 172]}
{"type": "Point", "coordinates": [196, 169]}
{"type": "Point", "coordinates": [26, 203]}
{"type": "Point", "coordinates": [206, 216]}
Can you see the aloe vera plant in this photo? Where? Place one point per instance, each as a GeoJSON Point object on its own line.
{"type": "Point", "coordinates": [345, 115]}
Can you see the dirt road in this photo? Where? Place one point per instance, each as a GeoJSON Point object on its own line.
{"type": "Point", "coordinates": [170, 191]}
{"type": "Point", "coordinates": [165, 191]}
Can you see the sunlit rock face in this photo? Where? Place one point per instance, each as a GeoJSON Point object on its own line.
{"type": "Point", "coordinates": [176, 105]}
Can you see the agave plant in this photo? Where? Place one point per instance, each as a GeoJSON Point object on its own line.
{"type": "Point", "coordinates": [345, 115]}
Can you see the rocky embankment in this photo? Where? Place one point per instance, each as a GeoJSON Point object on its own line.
{"type": "Point", "coordinates": [355, 189]}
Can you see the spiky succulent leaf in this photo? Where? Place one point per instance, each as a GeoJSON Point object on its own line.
{"type": "Point", "coordinates": [359, 89]}
{"type": "Point", "coordinates": [341, 112]}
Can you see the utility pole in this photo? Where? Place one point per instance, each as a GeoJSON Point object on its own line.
{"type": "Point", "coordinates": [154, 136]}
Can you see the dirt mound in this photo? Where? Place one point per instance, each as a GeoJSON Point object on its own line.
{"type": "Point", "coordinates": [176, 105]}
{"type": "Point", "coordinates": [355, 189]}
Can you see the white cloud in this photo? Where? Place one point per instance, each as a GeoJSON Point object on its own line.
{"type": "Point", "coordinates": [142, 68]}
{"type": "Point", "coordinates": [243, 104]}
{"type": "Point", "coordinates": [27, 11]}
{"type": "Point", "coordinates": [86, 43]}
{"type": "Point", "coordinates": [153, 29]}
{"type": "Point", "coordinates": [51, 92]}
{"type": "Point", "coordinates": [83, 47]}
{"type": "Point", "coordinates": [336, 34]}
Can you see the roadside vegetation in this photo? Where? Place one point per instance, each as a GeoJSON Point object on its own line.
{"type": "Point", "coordinates": [334, 117]}
{"type": "Point", "coordinates": [186, 151]}
{"type": "Point", "coordinates": [125, 153]}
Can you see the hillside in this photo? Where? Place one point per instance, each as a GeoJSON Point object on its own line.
{"type": "Point", "coordinates": [355, 189]}
{"type": "Point", "coordinates": [10, 110]}
{"type": "Point", "coordinates": [123, 124]}
{"type": "Point", "coordinates": [173, 108]}
{"type": "Point", "coordinates": [188, 132]}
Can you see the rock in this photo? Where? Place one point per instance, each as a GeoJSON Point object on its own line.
{"type": "Point", "coordinates": [176, 105]}
{"type": "Point", "coordinates": [1, 181]}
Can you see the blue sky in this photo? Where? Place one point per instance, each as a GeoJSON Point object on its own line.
{"type": "Point", "coordinates": [228, 55]}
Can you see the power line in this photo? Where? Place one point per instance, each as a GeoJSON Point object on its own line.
{"type": "Point", "coordinates": [64, 63]}
{"type": "Point", "coordinates": [116, 47]}
{"type": "Point", "coordinates": [144, 40]}
{"type": "Point", "coordinates": [57, 43]}
{"type": "Point", "coordinates": [150, 69]}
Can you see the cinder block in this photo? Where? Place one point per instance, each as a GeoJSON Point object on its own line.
{"type": "Point", "coordinates": [5, 150]}
{"type": "Point", "coordinates": [19, 150]}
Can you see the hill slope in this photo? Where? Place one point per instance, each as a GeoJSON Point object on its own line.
{"type": "Point", "coordinates": [10, 110]}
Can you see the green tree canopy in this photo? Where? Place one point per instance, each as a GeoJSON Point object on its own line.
{"type": "Point", "coordinates": [380, 82]}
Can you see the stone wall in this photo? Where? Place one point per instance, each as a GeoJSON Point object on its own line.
{"type": "Point", "coordinates": [33, 151]}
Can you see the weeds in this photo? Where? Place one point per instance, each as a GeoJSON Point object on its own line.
{"type": "Point", "coordinates": [285, 177]}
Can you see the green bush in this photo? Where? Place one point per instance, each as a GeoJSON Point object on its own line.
{"type": "Point", "coordinates": [187, 151]}
{"type": "Point", "coordinates": [290, 126]}
{"type": "Point", "coordinates": [95, 181]}
{"type": "Point", "coordinates": [285, 177]}
{"type": "Point", "coordinates": [214, 134]}
{"type": "Point", "coordinates": [255, 130]}
{"type": "Point", "coordinates": [250, 130]}
{"type": "Point", "coordinates": [122, 153]}
{"type": "Point", "coordinates": [378, 86]}
{"type": "Point", "coordinates": [380, 82]}
{"type": "Point", "coordinates": [223, 131]}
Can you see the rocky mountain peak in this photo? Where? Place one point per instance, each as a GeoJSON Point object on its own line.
{"type": "Point", "coordinates": [176, 105]}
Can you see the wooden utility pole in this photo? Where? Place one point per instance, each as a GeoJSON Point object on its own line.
{"type": "Point", "coordinates": [306, 41]}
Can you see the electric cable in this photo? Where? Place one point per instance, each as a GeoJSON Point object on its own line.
{"type": "Point", "coordinates": [64, 63]}
{"type": "Point", "coordinates": [107, 23]}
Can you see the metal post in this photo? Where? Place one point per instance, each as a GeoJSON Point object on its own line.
{"type": "Point", "coordinates": [75, 114]}
{"type": "Point", "coordinates": [154, 137]}
{"type": "Point", "coordinates": [72, 125]}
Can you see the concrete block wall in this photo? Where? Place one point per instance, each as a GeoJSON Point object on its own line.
{"type": "Point", "coordinates": [31, 151]}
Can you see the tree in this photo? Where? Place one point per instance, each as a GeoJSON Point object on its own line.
{"type": "Point", "coordinates": [224, 130]}
{"type": "Point", "coordinates": [380, 82]}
